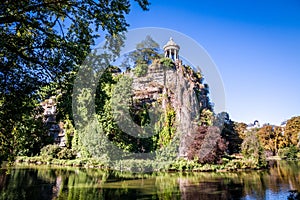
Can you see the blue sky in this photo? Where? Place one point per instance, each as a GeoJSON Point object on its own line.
{"type": "Point", "coordinates": [255, 45]}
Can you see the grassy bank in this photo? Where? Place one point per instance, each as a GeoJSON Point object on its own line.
{"type": "Point", "coordinates": [140, 165]}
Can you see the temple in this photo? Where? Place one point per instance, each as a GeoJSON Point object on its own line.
{"type": "Point", "coordinates": [171, 50]}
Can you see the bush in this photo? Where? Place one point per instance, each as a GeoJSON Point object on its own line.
{"type": "Point", "coordinates": [207, 145]}
{"type": "Point", "coordinates": [251, 149]}
{"type": "Point", "coordinates": [67, 154]}
{"type": "Point", "coordinates": [242, 164]}
{"type": "Point", "coordinates": [50, 151]}
{"type": "Point", "coordinates": [289, 153]}
{"type": "Point", "coordinates": [167, 62]}
{"type": "Point", "coordinates": [141, 70]}
{"type": "Point", "coordinates": [135, 165]}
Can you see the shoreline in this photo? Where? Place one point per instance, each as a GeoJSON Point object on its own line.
{"type": "Point", "coordinates": [144, 166]}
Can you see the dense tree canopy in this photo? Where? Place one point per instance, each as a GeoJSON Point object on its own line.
{"type": "Point", "coordinates": [42, 40]}
{"type": "Point", "coordinates": [252, 149]}
{"type": "Point", "coordinates": [292, 131]}
{"type": "Point", "coordinates": [207, 145]}
{"type": "Point", "coordinates": [268, 138]}
{"type": "Point", "coordinates": [146, 51]}
{"type": "Point", "coordinates": [42, 44]}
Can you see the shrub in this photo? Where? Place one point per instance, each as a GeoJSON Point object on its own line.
{"type": "Point", "coordinates": [167, 62]}
{"type": "Point", "coordinates": [141, 70]}
{"type": "Point", "coordinates": [135, 165]}
{"type": "Point", "coordinates": [50, 151]}
{"type": "Point", "coordinates": [67, 154]}
{"type": "Point", "coordinates": [206, 117]}
{"type": "Point", "coordinates": [289, 153]}
{"type": "Point", "coordinates": [251, 149]}
{"type": "Point", "coordinates": [207, 145]}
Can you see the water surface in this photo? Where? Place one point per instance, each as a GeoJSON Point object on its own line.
{"type": "Point", "coordinates": [281, 181]}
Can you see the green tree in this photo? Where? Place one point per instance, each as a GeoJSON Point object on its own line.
{"type": "Point", "coordinates": [22, 132]}
{"type": "Point", "coordinates": [43, 42]}
{"type": "Point", "coordinates": [222, 120]}
{"type": "Point", "coordinates": [146, 51]}
{"type": "Point", "coordinates": [252, 149]}
{"type": "Point", "coordinates": [130, 134]}
{"type": "Point", "coordinates": [69, 131]}
{"type": "Point", "coordinates": [168, 130]}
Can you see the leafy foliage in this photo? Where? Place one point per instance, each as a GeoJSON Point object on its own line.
{"type": "Point", "coordinates": [53, 151]}
{"type": "Point", "coordinates": [166, 62]}
{"type": "Point", "coordinates": [66, 154]}
{"type": "Point", "coordinates": [278, 140]}
{"type": "Point", "coordinates": [140, 69]}
{"type": "Point", "coordinates": [292, 131]}
{"type": "Point", "coordinates": [50, 151]}
{"type": "Point", "coordinates": [271, 138]}
{"type": "Point", "coordinates": [227, 126]}
{"type": "Point", "coordinates": [117, 116]}
{"type": "Point", "coordinates": [289, 153]}
{"type": "Point", "coordinates": [22, 131]}
{"type": "Point", "coordinates": [42, 45]}
{"type": "Point", "coordinates": [206, 117]}
{"type": "Point", "coordinates": [252, 149]}
{"type": "Point", "coordinates": [207, 145]}
{"type": "Point", "coordinates": [95, 142]}
{"type": "Point", "coordinates": [240, 129]}
{"type": "Point", "coordinates": [232, 138]}
{"type": "Point", "coordinates": [168, 131]}
{"type": "Point", "coordinates": [146, 51]}
{"type": "Point", "coordinates": [49, 36]}
{"type": "Point", "coordinates": [69, 131]}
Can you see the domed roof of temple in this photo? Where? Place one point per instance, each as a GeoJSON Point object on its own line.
{"type": "Point", "coordinates": [171, 44]}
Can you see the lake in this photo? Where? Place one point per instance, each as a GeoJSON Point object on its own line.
{"type": "Point", "coordinates": [281, 181]}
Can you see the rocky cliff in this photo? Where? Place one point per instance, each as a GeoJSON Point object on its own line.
{"type": "Point", "coordinates": [178, 86]}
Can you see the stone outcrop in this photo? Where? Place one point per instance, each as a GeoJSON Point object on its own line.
{"type": "Point", "coordinates": [178, 86]}
{"type": "Point", "coordinates": [55, 129]}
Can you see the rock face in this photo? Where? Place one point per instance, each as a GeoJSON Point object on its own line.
{"type": "Point", "coordinates": [178, 86]}
{"type": "Point", "coordinates": [54, 129]}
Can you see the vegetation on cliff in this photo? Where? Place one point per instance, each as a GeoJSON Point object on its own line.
{"type": "Point", "coordinates": [40, 61]}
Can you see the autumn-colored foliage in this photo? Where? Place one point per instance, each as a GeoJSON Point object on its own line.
{"type": "Point", "coordinates": [292, 131]}
{"type": "Point", "coordinates": [240, 128]}
{"type": "Point", "coordinates": [274, 138]}
{"type": "Point", "coordinates": [267, 138]}
{"type": "Point", "coordinates": [207, 145]}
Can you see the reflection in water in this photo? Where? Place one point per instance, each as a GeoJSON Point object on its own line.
{"type": "Point", "coordinates": [280, 182]}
